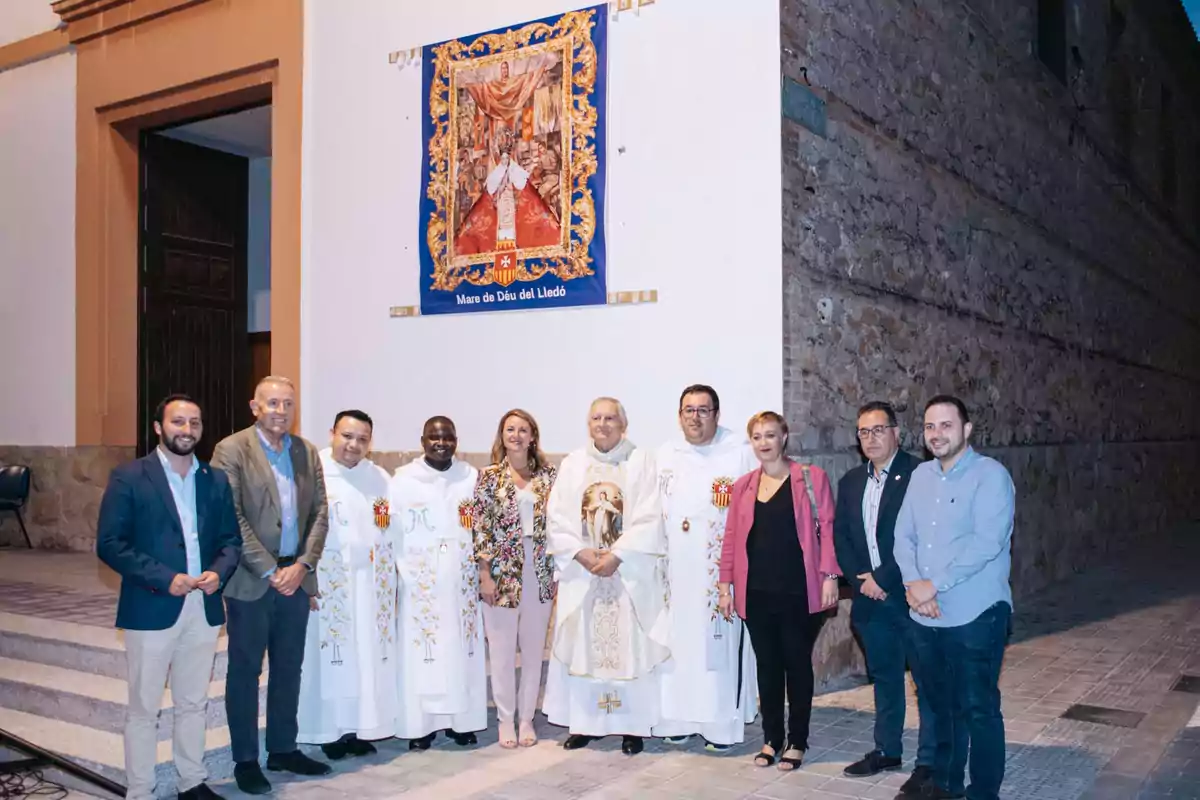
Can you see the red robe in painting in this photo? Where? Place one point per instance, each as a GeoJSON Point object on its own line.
{"type": "Point", "coordinates": [536, 226]}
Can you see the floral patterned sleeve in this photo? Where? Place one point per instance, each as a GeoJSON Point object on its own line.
{"type": "Point", "coordinates": [484, 510]}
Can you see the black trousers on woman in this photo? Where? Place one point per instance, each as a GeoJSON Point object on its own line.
{"type": "Point", "coordinates": [783, 633]}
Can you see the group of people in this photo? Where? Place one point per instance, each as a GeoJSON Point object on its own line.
{"type": "Point", "coordinates": [687, 587]}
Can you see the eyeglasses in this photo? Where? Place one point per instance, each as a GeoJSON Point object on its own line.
{"type": "Point", "coordinates": [704, 412]}
{"type": "Point", "coordinates": [876, 432]}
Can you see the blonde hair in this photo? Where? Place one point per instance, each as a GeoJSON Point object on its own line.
{"type": "Point", "coordinates": [766, 416]}
{"type": "Point", "coordinates": [537, 459]}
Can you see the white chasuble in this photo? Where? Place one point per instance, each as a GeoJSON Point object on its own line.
{"type": "Point", "coordinates": [439, 641]}
{"type": "Point", "coordinates": [710, 685]}
{"type": "Point", "coordinates": [348, 684]}
{"type": "Point", "coordinates": [609, 636]}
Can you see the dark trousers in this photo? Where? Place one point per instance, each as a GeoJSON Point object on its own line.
{"type": "Point", "coordinates": [782, 633]}
{"type": "Point", "coordinates": [275, 626]}
{"type": "Point", "coordinates": [887, 634]}
{"type": "Point", "coordinates": [962, 668]}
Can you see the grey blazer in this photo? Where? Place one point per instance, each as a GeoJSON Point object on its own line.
{"type": "Point", "coordinates": [256, 499]}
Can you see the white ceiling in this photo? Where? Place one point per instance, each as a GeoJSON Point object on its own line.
{"type": "Point", "coordinates": [246, 133]}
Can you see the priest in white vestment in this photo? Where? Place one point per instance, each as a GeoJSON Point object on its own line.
{"type": "Point", "coordinates": [348, 684]}
{"type": "Point", "coordinates": [609, 640]}
{"type": "Point", "coordinates": [439, 643]}
{"type": "Point", "coordinates": [708, 687]}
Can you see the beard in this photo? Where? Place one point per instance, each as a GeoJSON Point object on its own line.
{"type": "Point", "coordinates": [173, 444]}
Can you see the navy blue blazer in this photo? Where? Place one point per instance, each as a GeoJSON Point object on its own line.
{"type": "Point", "coordinates": [140, 536]}
{"type": "Point", "coordinates": [850, 534]}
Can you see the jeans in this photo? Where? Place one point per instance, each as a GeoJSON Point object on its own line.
{"type": "Point", "coordinates": [783, 633]}
{"type": "Point", "coordinates": [888, 639]}
{"type": "Point", "coordinates": [962, 667]}
{"type": "Point", "coordinates": [276, 626]}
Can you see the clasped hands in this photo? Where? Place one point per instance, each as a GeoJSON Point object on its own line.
{"type": "Point", "coordinates": [601, 563]}
{"type": "Point", "coordinates": [286, 580]}
{"type": "Point", "coordinates": [208, 582]}
{"type": "Point", "coordinates": [922, 598]}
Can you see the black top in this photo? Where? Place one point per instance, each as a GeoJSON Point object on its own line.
{"type": "Point", "coordinates": [773, 546]}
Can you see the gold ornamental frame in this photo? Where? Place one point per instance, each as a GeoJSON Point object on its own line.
{"type": "Point", "coordinates": [572, 33]}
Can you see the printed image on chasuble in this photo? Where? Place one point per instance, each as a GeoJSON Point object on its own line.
{"type": "Point", "coordinates": [513, 184]}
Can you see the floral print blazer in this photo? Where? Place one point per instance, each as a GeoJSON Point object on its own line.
{"type": "Point", "coordinates": [498, 534]}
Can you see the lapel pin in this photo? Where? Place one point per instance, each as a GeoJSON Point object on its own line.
{"type": "Point", "coordinates": [897, 477]}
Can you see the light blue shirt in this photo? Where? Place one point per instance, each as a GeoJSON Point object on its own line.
{"type": "Point", "coordinates": [285, 482]}
{"type": "Point", "coordinates": [955, 529]}
{"type": "Point", "coordinates": [183, 491]}
{"type": "Point", "coordinates": [876, 482]}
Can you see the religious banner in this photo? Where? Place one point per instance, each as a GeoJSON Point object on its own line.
{"type": "Point", "coordinates": [512, 194]}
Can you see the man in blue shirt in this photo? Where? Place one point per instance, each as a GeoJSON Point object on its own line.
{"type": "Point", "coordinates": [953, 547]}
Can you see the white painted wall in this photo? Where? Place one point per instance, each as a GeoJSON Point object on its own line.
{"type": "Point", "coordinates": [258, 247]}
{"type": "Point", "coordinates": [693, 208]}
{"type": "Point", "coordinates": [37, 252]}
{"type": "Point", "coordinates": [20, 19]}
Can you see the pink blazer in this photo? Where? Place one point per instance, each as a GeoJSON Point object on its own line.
{"type": "Point", "coordinates": [819, 556]}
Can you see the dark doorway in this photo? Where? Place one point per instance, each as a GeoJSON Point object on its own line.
{"type": "Point", "coordinates": [192, 320]}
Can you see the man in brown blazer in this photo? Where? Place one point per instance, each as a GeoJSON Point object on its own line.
{"type": "Point", "coordinates": [279, 494]}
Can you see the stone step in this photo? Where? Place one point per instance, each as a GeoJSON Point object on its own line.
{"type": "Point", "coordinates": [99, 651]}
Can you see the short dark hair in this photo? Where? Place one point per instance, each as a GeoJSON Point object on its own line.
{"type": "Point", "coordinates": [354, 413]}
{"type": "Point", "coordinates": [879, 405]}
{"type": "Point", "coordinates": [161, 410]}
{"type": "Point", "coordinates": [950, 400]}
{"type": "Point", "coordinates": [439, 418]}
{"type": "Point", "coordinates": [701, 388]}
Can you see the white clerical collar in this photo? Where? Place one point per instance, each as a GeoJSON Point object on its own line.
{"type": "Point", "coordinates": [614, 456]}
{"type": "Point", "coordinates": [421, 471]}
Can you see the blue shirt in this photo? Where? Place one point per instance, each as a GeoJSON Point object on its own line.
{"type": "Point", "coordinates": [285, 482]}
{"type": "Point", "coordinates": [183, 491]}
{"type": "Point", "coordinates": [955, 529]}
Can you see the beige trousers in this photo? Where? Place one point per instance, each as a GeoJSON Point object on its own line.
{"type": "Point", "coordinates": [184, 652]}
{"type": "Point", "coordinates": [507, 628]}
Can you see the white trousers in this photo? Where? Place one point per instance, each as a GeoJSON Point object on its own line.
{"type": "Point", "coordinates": [506, 628]}
{"type": "Point", "coordinates": [185, 652]}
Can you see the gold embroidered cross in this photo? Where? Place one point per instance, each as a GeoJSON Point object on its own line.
{"type": "Point", "coordinates": [609, 702]}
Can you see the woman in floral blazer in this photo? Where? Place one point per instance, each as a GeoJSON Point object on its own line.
{"type": "Point", "coordinates": [515, 572]}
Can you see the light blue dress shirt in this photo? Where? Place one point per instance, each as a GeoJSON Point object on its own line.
{"type": "Point", "coordinates": [183, 490]}
{"type": "Point", "coordinates": [285, 482]}
{"type": "Point", "coordinates": [955, 529]}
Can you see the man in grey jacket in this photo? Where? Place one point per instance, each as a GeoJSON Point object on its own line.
{"type": "Point", "coordinates": [279, 494]}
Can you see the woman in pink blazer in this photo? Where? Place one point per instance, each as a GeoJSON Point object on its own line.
{"type": "Point", "coordinates": [783, 572]}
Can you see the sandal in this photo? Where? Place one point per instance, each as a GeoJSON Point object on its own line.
{"type": "Point", "coordinates": [791, 760]}
{"type": "Point", "coordinates": [507, 739]}
{"type": "Point", "coordinates": [766, 757]}
{"type": "Point", "coordinates": [528, 737]}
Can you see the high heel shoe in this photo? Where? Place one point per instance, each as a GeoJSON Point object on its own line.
{"type": "Point", "coordinates": [508, 739]}
{"type": "Point", "coordinates": [528, 736]}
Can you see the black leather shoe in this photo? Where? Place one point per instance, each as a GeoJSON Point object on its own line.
{"type": "Point", "coordinates": [250, 778]}
{"type": "Point", "coordinates": [578, 740]}
{"type": "Point", "coordinates": [336, 751]}
{"type": "Point", "coordinates": [463, 739]}
{"type": "Point", "coordinates": [930, 791]}
{"type": "Point", "coordinates": [872, 763]}
{"type": "Point", "coordinates": [297, 763]}
{"type": "Point", "coordinates": [424, 743]}
{"type": "Point", "coordinates": [632, 745]}
{"type": "Point", "coordinates": [916, 782]}
{"type": "Point", "coordinates": [200, 792]}
{"type": "Point", "coordinates": [358, 747]}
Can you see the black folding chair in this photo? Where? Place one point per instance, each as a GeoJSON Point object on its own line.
{"type": "Point", "coordinates": [14, 492]}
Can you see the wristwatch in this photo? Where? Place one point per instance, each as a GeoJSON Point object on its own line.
{"type": "Point", "coordinates": [829, 576]}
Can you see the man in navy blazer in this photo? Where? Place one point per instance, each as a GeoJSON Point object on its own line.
{"type": "Point", "coordinates": [168, 528]}
{"type": "Point", "coordinates": [868, 501]}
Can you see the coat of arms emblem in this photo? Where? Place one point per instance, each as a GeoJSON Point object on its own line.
{"type": "Point", "coordinates": [466, 514]}
{"type": "Point", "coordinates": [383, 513]}
{"type": "Point", "coordinates": [722, 492]}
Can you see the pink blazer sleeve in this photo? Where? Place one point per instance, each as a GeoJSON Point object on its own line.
{"type": "Point", "coordinates": [727, 545]}
{"type": "Point", "coordinates": [825, 506]}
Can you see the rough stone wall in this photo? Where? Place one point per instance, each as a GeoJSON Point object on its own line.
{"type": "Point", "coordinates": [67, 484]}
{"type": "Point", "coordinates": [975, 232]}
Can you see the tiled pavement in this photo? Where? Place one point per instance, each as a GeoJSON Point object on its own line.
{"type": "Point", "coordinates": [1116, 638]}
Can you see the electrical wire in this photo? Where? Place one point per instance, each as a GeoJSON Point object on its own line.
{"type": "Point", "coordinates": [30, 783]}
